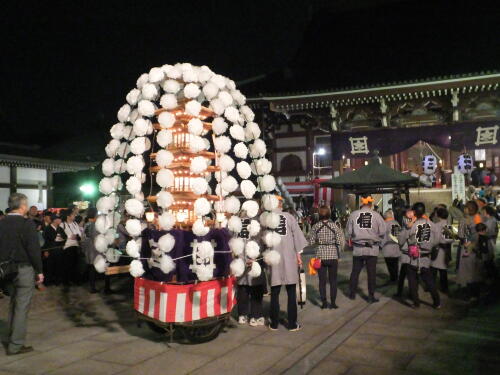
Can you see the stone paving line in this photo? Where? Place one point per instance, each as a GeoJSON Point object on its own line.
{"type": "Point", "coordinates": [78, 333]}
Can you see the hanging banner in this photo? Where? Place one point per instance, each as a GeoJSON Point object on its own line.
{"type": "Point", "coordinates": [388, 141]}
{"type": "Point", "coordinates": [458, 186]}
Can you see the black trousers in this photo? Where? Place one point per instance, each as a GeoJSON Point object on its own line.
{"type": "Point", "coordinates": [371, 269]}
{"type": "Point", "coordinates": [328, 272]}
{"type": "Point", "coordinates": [443, 278]}
{"type": "Point", "coordinates": [55, 266]}
{"type": "Point", "coordinates": [401, 278]}
{"type": "Point", "coordinates": [275, 305]}
{"type": "Point", "coordinates": [491, 269]}
{"type": "Point", "coordinates": [426, 277]}
{"type": "Point", "coordinates": [93, 277]}
{"type": "Point", "coordinates": [250, 300]}
{"type": "Point", "coordinates": [392, 267]}
{"type": "Point", "coordinates": [69, 264]}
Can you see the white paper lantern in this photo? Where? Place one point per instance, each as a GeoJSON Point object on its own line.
{"type": "Point", "coordinates": [465, 163]}
{"type": "Point", "coordinates": [429, 164]}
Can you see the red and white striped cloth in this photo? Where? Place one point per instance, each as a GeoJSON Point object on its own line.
{"type": "Point", "coordinates": [322, 195]}
{"type": "Point", "coordinates": [170, 303]}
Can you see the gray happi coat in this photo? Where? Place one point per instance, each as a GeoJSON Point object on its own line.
{"type": "Point", "coordinates": [470, 267]}
{"type": "Point", "coordinates": [441, 227]}
{"type": "Point", "coordinates": [292, 243]}
{"type": "Point", "coordinates": [492, 233]}
{"type": "Point", "coordinates": [365, 226]}
{"type": "Point", "coordinates": [88, 247]}
{"type": "Point", "coordinates": [390, 248]}
{"type": "Point", "coordinates": [422, 233]}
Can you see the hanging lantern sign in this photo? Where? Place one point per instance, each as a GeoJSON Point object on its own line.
{"type": "Point", "coordinates": [429, 164]}
{"type": "Point", "coordinates": [465, 163]}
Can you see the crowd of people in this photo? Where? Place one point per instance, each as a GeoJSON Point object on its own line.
{"type": "Point", "coordinates": [58, 248]}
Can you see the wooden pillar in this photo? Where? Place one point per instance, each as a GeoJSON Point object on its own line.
{"type": "Point", "coordinates": [447, 159]}
{"type": "Point", "coordinates": [13, 179]}
{"type": "Point", "coordinates": [50, 189]}
{"type": "Point", "coordinates": [309, 152]}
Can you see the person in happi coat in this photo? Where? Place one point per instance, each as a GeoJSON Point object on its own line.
{"type": "Point", "coordinates": [468, 268]}
{"type": "Point", "coordinates": [250, 290]}
{"type": "Point", "coordinates": [285, 273]}
{"type": "Point", "coordinates": [328, 238]}
{"type": "Point", "coordinates": [365, 230]}
{"type": "Point", "coordinates": [441, 254]}
{"type": "Point", "coordinates": [422, 234]}
{"type": "Point", "coordinates": [489, 217]}
{"type": "Point", "coordinates": [390, 246]}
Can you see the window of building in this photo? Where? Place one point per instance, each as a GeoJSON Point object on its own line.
{"type": "Point", "coordinates": [31, 176]}
{"type": "Point", "coordinates": [4, 175]}
{"type": "Point", "coordinates": [4, 198]}
{"type": "Point", "coordinates": [291, 163]}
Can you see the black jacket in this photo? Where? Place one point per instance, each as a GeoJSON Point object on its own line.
{"type": "Point", "coordinates": [50, 235]}
{"type": "Point", "coordinates": [18, 235]}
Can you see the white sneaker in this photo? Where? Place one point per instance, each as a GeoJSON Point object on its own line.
{"type": "Point", "coordinates": [257, 322]}
{"type": "Point", "coordinates": [242, 319]}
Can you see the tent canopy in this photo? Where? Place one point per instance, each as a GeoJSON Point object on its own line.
{"type": "Point", "coordinates": [374, 177]}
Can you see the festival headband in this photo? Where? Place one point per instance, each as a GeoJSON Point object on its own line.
{"type": "Point", "coordinates": [366, 200]}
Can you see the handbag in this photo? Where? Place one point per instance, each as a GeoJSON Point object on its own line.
{"type": "Point", "coordinates": [413, 251]}
{"type": "Point", "coordinates": [317, 263]}
{"type": "Point", "coordinates": [434, 252]}
{"type": "Point", "coordinates": [8, 269]}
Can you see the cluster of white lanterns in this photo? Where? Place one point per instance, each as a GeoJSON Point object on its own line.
{"type": "Point", "coordinates": [148, 120]}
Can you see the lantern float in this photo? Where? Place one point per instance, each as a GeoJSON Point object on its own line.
{"type": "Point", "coordinates": [184, 145]}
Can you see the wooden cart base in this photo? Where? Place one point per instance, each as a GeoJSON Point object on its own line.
{"type": "Point", "coordinates": [198, 331]}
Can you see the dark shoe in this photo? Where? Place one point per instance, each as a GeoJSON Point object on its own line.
{"type": "Point", "coordinates": [108, 291]}
{"type": "Point", "coordinates": [23, 350]}
{"type": "Point", "coordinates": [415, 305]}
{"type": "Point", "coordinates": [372, 299]}
{"type": "Point", "coordinates": [352, 296]}
{"type": "Point", "coordinates": [272, 327]}
{"type": "Point", "coordinates": [398, 295]}
{"type": "Point", "coordinates": [94, 291]}
{"type": "Point", "coordinates": [324, 305]}
{"type": "Point", "coordinates": [297, 327]}
{"type": "Point", "coordinates": [333, 306]}
{"type": "Point", "coordinates": [437, 307]}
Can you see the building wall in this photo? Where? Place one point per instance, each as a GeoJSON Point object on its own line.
{"type": "Point", "coordinates": [29, 181]}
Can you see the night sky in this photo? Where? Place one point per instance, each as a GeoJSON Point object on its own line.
{"type": "Point", "coordinates": [65, 69]}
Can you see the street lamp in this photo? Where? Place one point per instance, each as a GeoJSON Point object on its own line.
{"type": "Point", "coordinates": [87, 189]}
{"type": "Point", "coordinates": [320, 152]}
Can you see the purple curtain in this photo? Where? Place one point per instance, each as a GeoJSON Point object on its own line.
{"type": "Point", "coordinates": [183, 246]}
{"type": "Point", "coordinates": [389, 141]}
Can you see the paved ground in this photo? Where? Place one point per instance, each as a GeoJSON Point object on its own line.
{"type": "Point", "coordinates": [75, 332]}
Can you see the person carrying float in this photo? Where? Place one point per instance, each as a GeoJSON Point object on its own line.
{"type": "Point", "coordinates": [420, 235]}
{"type": "Point", "coordinates": [365, 230]}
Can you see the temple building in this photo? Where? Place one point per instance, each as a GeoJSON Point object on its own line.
{"type": "Point", "coordinates": [25, 169]}
{"type": "Point", "coordinates": [318, 135]}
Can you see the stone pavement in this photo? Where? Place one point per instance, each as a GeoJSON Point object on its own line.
{"type": "Point", "coordinates": [75, 332]}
